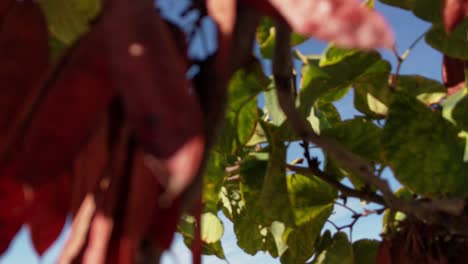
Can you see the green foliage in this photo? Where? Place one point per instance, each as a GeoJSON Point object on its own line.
{"type": "Point", "coordinates": [266, 35]}
{"type": "Point", "coordinates": [423, 149]}
{"type": "Point", "coordinates": [365, 251]}
{"type": "Point", "coordinates": [454, 45]}
{"type": "Point", "coordinates": [280, 211]}
{"type": "Point", "coordinates": [68, 20]}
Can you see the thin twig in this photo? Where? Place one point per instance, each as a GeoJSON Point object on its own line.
{"type": "Point", "coordinates": [402, 58]}
{"type": "Point", "coordinates": [347, 207]}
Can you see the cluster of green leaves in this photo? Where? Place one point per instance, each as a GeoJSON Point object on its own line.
{"type": "Point", "coordinates": [282, 212]}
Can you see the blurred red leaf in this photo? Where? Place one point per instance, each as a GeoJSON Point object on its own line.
{"type": "Point", "coordinates": [454, 11]}
{"type": "Point", "coordinates": [453, 74]}
{"type": "Point", "coordinates": [49, 212]}
{"type": "Point", "coordinates": [13, 210]}
{"type": "Point", "coordinates": [159, 102]}
{"type": "Point", "coordinates": [346, 23]}
{"type": "Point", "coordinates": [66, 110]}
{"type": "Point", "coordinates": [23, 25]}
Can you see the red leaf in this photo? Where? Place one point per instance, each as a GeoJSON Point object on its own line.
{"type": "Point", "coordinates": [383, 253]}
{"type": "Point", "coordinates": [453, 74]}
{"type": "Point", "coordinates": [49, 212]}
{"type": "Point", "coordinates": [23, 26]}
{"type": "Point", "coordinates": [159, 101]}
{"type": "Point", "coordinates": [13, 211]}
{"type": "Point", "coordinates": [454, 11]}
{"type": "Point", "coordinates": [5, 6]}
{"type": "Point", "coordinates": [62, 116]}
{"type": "Point", "coordinates": [346, 23]}
{"type": "Point", "coordinates": [90, 165]}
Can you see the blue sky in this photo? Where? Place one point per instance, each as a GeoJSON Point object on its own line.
{"type": "Point", "coordinates": [423, 60]}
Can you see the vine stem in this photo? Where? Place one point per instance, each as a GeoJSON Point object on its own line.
{"type": "Point", "coordinates": [402, 58]}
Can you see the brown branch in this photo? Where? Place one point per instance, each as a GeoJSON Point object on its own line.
{"type": "Point", "coordinates": [444, 213]}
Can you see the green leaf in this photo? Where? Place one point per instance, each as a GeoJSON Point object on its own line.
{"type": "Point", "coordinates": [68, 20]}
{"type": "Point", "coordinates": [274, 196]}
{"type": "Point", "coordinates": [302, 239]}
{"type": "Point", "coordinates": [359, 136]}
{"type": "Point", "coordinates": [365, 251]}
{"type": "Point", "coordinates": [455, 108]}
{"type": "Point", "coordinates": [453, 45]}
{"type": "Point", "coordinates": [323, 242]}
{"type": "Point", "coordinates": [373, 94]}
{"type": "Point", "coordinates": [186, 229]}
{"type": "Point", "coordinates": [308, 196]}
{"type": "Point", "coordinates": [272, 106]}
{"type": "Point", "coordinates": [340, 251]}
{"type": "Point", "coordinates": [423, 149]}
{"type": "Point", "coordinates": [331, 83]}
{"type": "Point", "coordinates": [211, 228]}
{"type": "Point", "coordinates": [429, 10]}
{"type": "Point", "coordinates": [252, 173]}
{"type": "Point", "coordinates": [323, 116]}
{"type": "Point", "coordinates": [405, 4]}
{"type": "Point", "coordinates": [242, 112]}
{"type": "Point", "coordinates": [266, 35]}
{"type": "Point", "coordinates": [213, 180]}
{"type": "Point", "coordinates": [277, 229]}
{"type": "Point", "coordinates": [333, 55]}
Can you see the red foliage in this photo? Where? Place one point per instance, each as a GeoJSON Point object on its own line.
{"type": "Point", "coordinates": [454, 11]}
{"type": "Point", "coordinates": [344, 22]}
{"type": "Point", "coordinates": [453, 74]}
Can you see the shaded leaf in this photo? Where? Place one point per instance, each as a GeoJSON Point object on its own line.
{"type": "Point", "coordinates": [273, 195]}
{"type": "Point", "coordinates": [453, 45]}
{"type": "Point", "coordinates": [414, 132]}
{"type": "Point", "coordinates": [302, 240]}
{"type": "Point", "coordinates": [359, 136]}
{"type": "Point", "coordinates": [365, 251]}
{"type": "Point", "coordinates": [339, 251]}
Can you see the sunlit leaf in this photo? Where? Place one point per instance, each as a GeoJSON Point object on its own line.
{"type": "Point", "coordinates": [68, 20]}
{"type": "Point", "coordinates": [211, 228]}
{"type": "Point", "coordinates": [330, 83]}
{"type": "Point", "coordinates": [308, 196]}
